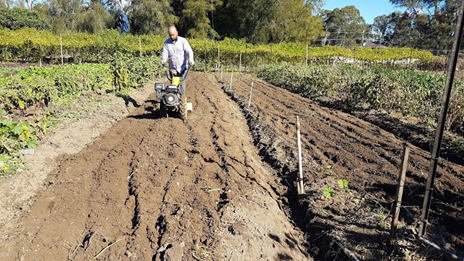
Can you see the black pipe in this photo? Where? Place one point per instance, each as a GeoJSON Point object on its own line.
{"type": "Point", "coordinates": [444, 251]}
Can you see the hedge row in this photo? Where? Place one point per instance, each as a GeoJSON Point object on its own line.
{"type": "Point", "coordinates": [32, 45]}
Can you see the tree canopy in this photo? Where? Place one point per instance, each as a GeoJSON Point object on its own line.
{"type": "Point", "coordinates": [257, 21]}
{"type": "Point", "coordinates": [345, 26]}
{"type": "Point", "coordinates": [426, 24]}
{"type": "Point", "coordinates": [16, 18]}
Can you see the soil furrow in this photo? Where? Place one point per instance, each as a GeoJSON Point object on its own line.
{"type": "Point", "coordinates": [220, 185]}
{"type": "Point", "coordinates": [339, 146]}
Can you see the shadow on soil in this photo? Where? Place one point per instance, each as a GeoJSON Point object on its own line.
{"type": "Point", "coordinates": [153, 112]}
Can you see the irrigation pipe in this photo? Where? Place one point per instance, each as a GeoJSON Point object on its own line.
{"type": "Point", "coordinates": [444, 251]}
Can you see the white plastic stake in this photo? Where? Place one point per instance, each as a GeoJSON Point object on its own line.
{"type": "Point", "coordinates": [300, 185]}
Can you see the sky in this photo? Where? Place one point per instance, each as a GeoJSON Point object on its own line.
{"type": "Point", "coordinates": [369, 9]}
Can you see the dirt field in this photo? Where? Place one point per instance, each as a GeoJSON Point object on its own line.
{"type": "Point", "coordinates": [220, 185]}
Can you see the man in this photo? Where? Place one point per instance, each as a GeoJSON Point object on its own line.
{"type": "Point", "coordinates": [176, 49]}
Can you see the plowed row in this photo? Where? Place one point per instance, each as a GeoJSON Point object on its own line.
{"type": "Point", "coordinates": [220, 185]}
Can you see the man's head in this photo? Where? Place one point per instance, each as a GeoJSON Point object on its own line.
{"type": "Point", "coordinates": [173, 33]}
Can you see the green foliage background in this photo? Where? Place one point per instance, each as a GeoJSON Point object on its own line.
{"type": "Point", "coordinates": [57, 85]}
{"type": "Point", "coordinates": [17, 18]}
{"type": "Point", "coordinates": [32, 45]}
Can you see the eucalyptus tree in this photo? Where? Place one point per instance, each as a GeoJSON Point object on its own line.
{"type": "Point", "coordinates": [11, 3]}
{"type": "Point", "coordinates": [292, 21]}
{"type": "Point", "coordinates": [243, 19]}
{"type": "Point", "coordinates": [270, 21]}
{"type": "Point", "coordinates": [94, 18]}
{"type": "Point", "coordinates": [346, 26]}
{"type": "Point", "coordinates": [150, 17]}
{"type": "Point", "coordinates": [196, 17]}
{"type": "Point", "coordinates": [380, 28]}
{"type": "Point", "coordinates": [426, 24]}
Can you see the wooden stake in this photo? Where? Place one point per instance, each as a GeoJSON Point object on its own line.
{"type": "Point", "coordinates": [399, 191]}
{"type": "Point", "coordinates": [221, 72]}
{"type": "Point", "coordinates": [251, 91]}
{"type": "Point", "coordinates": [246, 56]}
{"type": "Point", "coordinates": [61, 45]}
{"type": "Point", "coordinates": [271, 53]}
{"type": "Point", "coordinates": [140, 46]}
{"type": "Point", "coordinates": [300, 185]}
{"type": "Point", "coordinates": [307, 55]}
{"type": "Point", "coordinates": [231, 78]}
{"type": "Point", "coordinates": [205, 58]}
{"type": "Point", "coordinates": [240, 64]}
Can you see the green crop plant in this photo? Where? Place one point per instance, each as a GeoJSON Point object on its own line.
{"type": "Point", "coordinates": [343, 184]}
{"type": "Point", "coordinates": [14, 137]}
{"type": "Point", "coordinates": [328, 192]}
{"type": "Point", "coordinates": [38, 87]}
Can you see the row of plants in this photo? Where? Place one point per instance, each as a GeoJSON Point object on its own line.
{"type": "Point", "coordinates": [30, 44]}
{"type": "Point", "coordinates": [414, 94]}
{"type": "Point", "coordinates": [37, 87]}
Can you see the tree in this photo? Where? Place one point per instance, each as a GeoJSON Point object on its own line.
{"type": "Point", "coordinates": [413, 6]}
{"type": "Point", "coordinates": [195, 19]}
{"type": "Point", "coordinates": [292, 21]}
{"type": "Point", "coordinates": [346, 26]}
{"type": "Point", "coordinates": [64, 15]}
{"type": "Point", "coordinates": [247, 19]}
{"type": "Point", "coordinates": [11, 3]}
{"type": "Point", "coordinates": [401, 33]}
{"type": "Point", "coordinates": [30, 4]}
{"type": "Point", "coordinates": [16, 18]}
{"type": "Point", "coordinates": [380, 27]}
{"type": "Point", "coordinates": [317, 5]}
{"type": "Point", "coordinates": [94, 18]}
{"type": "Point", "coordinates": [415, 28]}
{"type": "Point", "coordinates": [266, 21]}
{"type": "Point", "coordinates": [150, 17]}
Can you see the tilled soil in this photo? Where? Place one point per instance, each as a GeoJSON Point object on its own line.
{"type": "Point", "coordinates": [220, 185]}
{"type": "Point", "coordinates": [156, 188]}
{"type": "Point", "coordinates": [338, 146]}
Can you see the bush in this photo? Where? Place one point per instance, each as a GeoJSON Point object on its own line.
{"type": "Point", "coordinates": [17, 18]}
